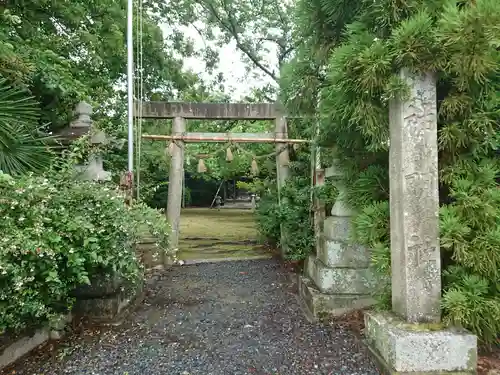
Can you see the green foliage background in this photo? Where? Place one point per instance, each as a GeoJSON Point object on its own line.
{"type": "Point", "coordinates": [348, 65]}
{"type": "Point", "coordinates": [337, 64]}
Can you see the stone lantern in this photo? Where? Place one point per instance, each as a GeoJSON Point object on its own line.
{"type": "Point", "coordinates": [94, 169]}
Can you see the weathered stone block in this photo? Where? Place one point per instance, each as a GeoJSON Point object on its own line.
{"type": "Point", "coordinates": [317, 304]}
{"type": "Point", "coordinates": [101, 309]}
{"type": "Point", "coordinates": [337, 228]}
{"type": "Point", "coordinates": [405, 348]}
{"type": "Point", "coordinates": [100, 286]}
{"type": "Point", "coordinates": [341, 254]}
{"type": "Point", "coordinates": [340, 280]}
{"type": "Point", "coordinates": [108, 307]}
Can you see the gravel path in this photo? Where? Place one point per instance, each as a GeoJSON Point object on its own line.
{"type": "Point", "coordinates": [222, 319]}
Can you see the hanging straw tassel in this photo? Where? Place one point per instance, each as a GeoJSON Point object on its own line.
{"type": "Point", "coordinates": [201, 166]}
{"type": "Point", "coordinates": [255, 167]}
{"type": "Point", "coordinates": [229, 154]}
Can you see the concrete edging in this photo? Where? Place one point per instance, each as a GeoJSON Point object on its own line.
{"type": "Point", "coordinates": [23, 345]}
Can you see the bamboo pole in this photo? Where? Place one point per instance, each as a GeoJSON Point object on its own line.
{"type": "Point", "coordinates": [192, 139]}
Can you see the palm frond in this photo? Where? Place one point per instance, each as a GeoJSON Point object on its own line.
{"type": "Point", "coordinates": [21, 148]}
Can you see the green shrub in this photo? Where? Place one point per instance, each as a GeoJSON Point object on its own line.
{"type": "Point", "coordinates": [294, 215]}
{"type": "Point", "coordinates": [470, 240]}
{"type": "Point", "coordinates": [268, 218]}
{"type": "Point", "coordinates": [58, 234]}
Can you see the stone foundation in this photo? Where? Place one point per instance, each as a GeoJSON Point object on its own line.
{"type": "Point", "coordinates": [423, 349]}
{"type": "Point", "coordinates": [337, 279]}
{"type": "Point", "coordinates": [106, 301]}
{"type": "Point", "coordinates": [317, 304]}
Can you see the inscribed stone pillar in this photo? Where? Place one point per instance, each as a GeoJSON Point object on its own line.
{"type": "Point", "coordinates": [414, 202]}
{"type": "Point", "coordinates": [176, 174]}
{"type": "Point", "coordinates": [282, 164]}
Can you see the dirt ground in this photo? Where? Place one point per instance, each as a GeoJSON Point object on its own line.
{"type": "Point", "coordinates": [489, 362]}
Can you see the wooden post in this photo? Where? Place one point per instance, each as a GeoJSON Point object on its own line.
{"type": "Point", "coordinates": [176, 175]}
{"type": "Point", "coordinates": [282, 167]}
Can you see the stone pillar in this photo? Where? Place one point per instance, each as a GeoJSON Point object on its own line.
{"type": "Point", "coordinates": [337, 279]}
{"type": "Point", "coordinates": [319, 211]}
{"type": "Point", "coordinates": [282, 165]}
{"type": "Point", "coordinates": [403, 339]}
{"type": "Point", "coordinates": [414, 203]}
{"type": "Point", "coordinates": [176, 174]}
{"type": "Point", "coordinates": [318, 205]}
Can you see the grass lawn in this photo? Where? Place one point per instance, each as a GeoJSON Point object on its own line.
{"type": "Point", "coordinates": [211, 234]}
{"type": "Point", "coordinates": [226, 224]}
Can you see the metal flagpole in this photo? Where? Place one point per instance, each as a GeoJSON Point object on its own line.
{"type": "Point", "coordinates": [130, 84]}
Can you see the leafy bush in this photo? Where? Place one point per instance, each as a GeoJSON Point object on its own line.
{"type": "Point", "coordinates": [294, 215]}
{"type": "Point", "coordinates": [58, 234]}
{"type": "Point", "coordinates": [268, 218]}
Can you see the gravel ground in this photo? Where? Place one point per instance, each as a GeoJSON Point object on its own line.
{"type": "Point", "coordinates": [211, 319]}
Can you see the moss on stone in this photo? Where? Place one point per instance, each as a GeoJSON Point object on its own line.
{"type": "Point", "coordinates": [422, 327]}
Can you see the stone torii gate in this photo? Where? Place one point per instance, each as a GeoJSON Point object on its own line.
{"type": "Point", "coordinates": [180, 112]}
